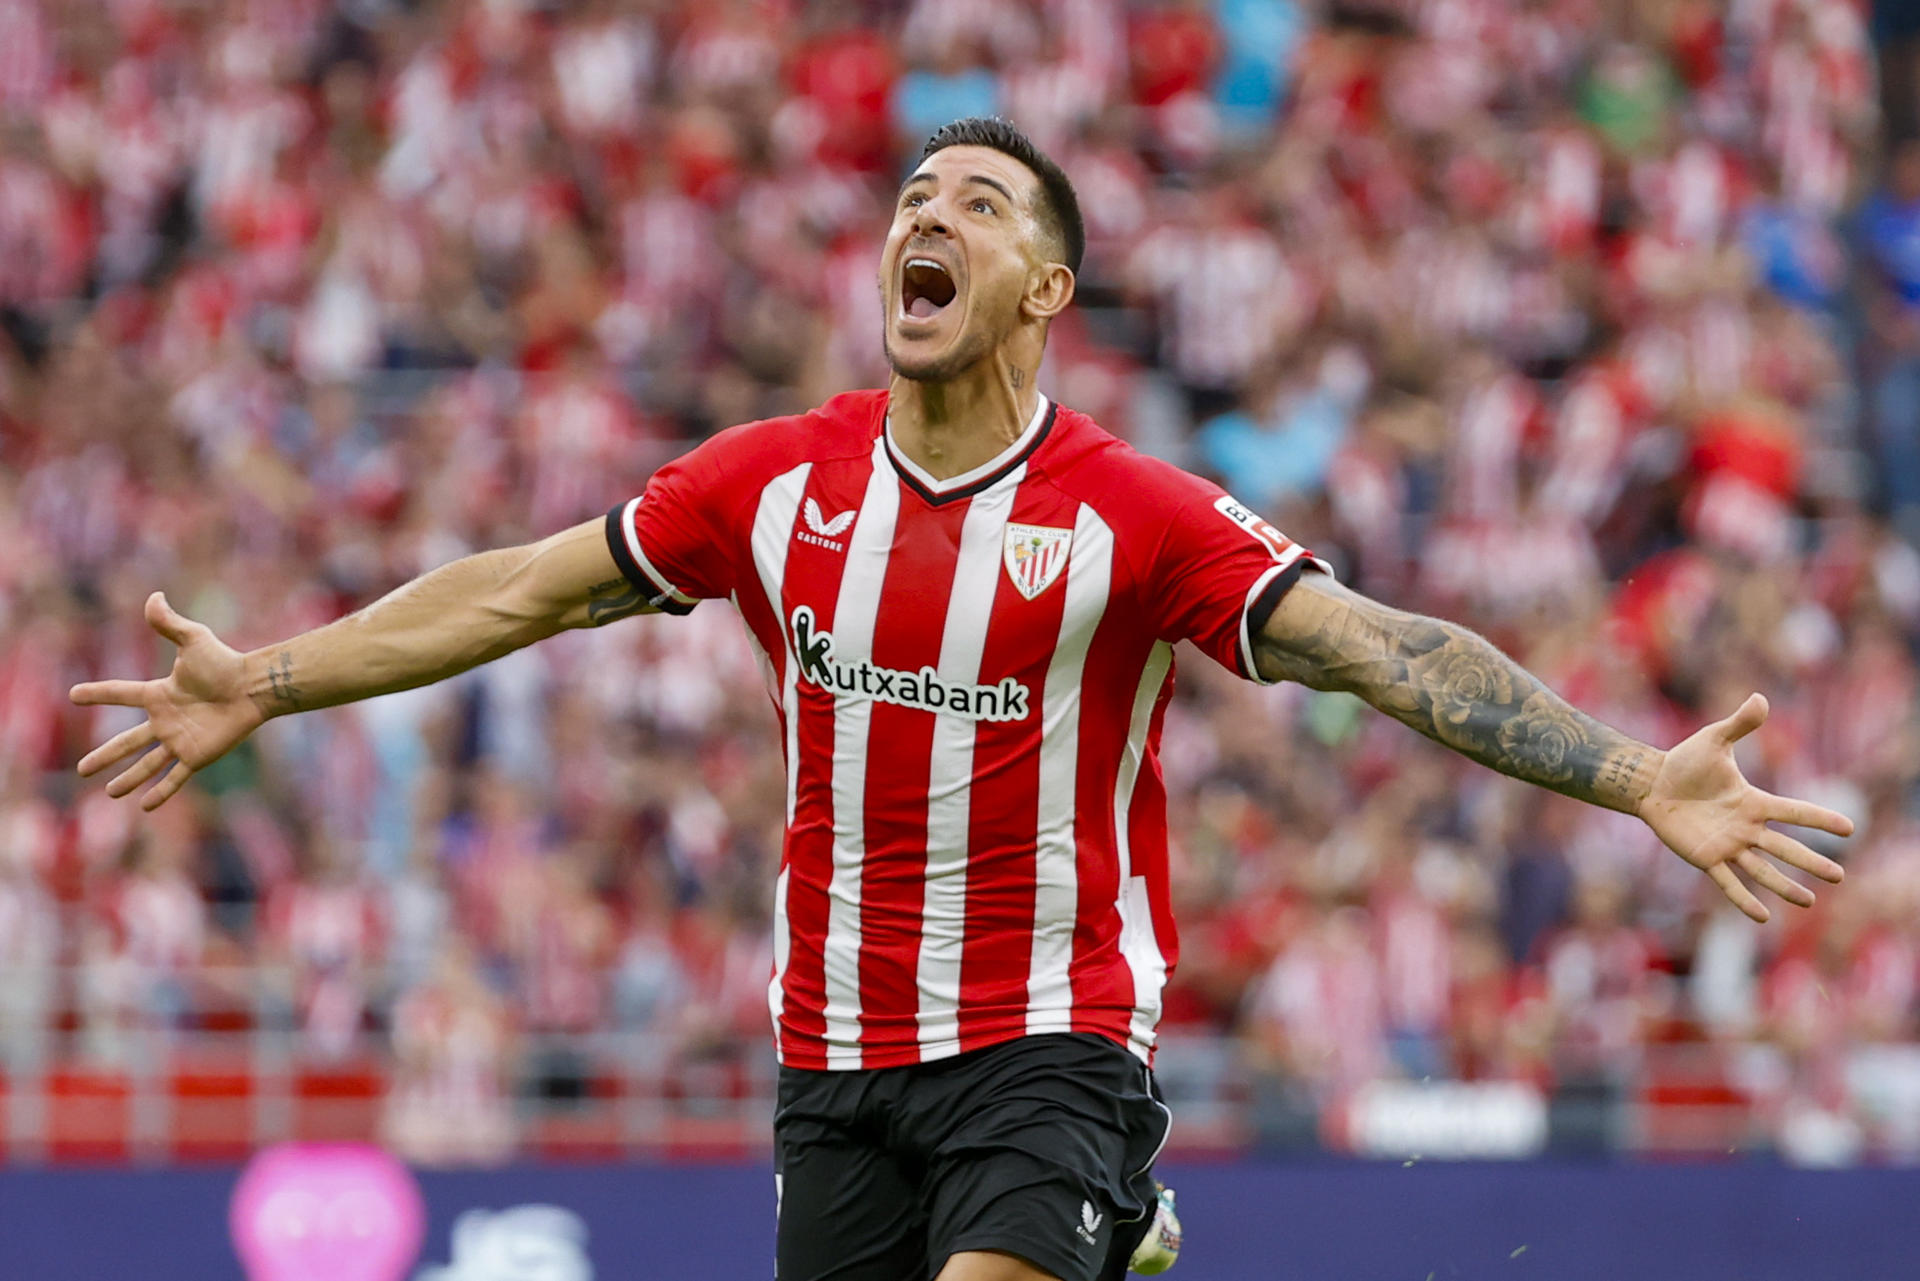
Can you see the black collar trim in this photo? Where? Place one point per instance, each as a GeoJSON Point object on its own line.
{"type": "Point", "coordinates": [941, 497]}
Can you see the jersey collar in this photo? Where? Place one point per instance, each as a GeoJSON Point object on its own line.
{"type": "Point", "coordinates": [986, 475]}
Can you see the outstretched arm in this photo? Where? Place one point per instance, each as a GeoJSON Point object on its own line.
{"type": "Point", "coordinates": [465, 613]}
{"type": "Point", "coordinates": [1455, 687]}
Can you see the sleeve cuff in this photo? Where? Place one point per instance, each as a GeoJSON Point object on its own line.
{"type": "Point", "coordinates": [624, 542]}
{"type": "Point", "coordinates": [1263, 598]}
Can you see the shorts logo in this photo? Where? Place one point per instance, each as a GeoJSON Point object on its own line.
{"type": "Point", "coordinates": [1035, 555]}
{"type": "Point", "coordinates": [1089, 1222]}
{"type": "Point", "coordinates": [1274, 541]}
{"type": "Point", "coordinates": [822, 532]}
{"type": "Point", "coordinates": [924, 689]}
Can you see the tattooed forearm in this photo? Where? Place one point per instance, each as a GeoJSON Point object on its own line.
{"type": "Point", "coordinates": [286, 694]}
{"type": "Point", "coordinates": [1456, 688]}
{"type": "Point", "coordinates": [613, 599]}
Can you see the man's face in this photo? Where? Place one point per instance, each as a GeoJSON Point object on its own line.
{"type": "Point", "coordinates": [957, 260]}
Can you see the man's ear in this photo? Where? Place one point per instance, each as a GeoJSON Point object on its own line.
{"type": "Point", "coordinates": [1049, 290]}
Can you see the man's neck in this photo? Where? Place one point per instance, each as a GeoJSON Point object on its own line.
{"type": "Point", "coordinates": [949, 428]}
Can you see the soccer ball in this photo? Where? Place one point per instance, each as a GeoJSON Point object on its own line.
{"type": "Point", "coordinates": [1160, 1248]}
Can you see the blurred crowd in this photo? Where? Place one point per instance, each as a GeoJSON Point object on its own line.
{"type": "Point", "coordinates": [1592, 323]}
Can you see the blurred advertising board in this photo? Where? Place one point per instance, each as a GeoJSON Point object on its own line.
{"type": "Point", "coordinates": [1246, 1221]}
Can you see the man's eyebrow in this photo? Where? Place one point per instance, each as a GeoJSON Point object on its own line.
{"type": "Point", "coordinates": [995, 183]}
{"type": "Point", "coordinates": [926, 175]}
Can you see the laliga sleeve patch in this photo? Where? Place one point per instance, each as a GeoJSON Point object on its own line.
{"type": "Point", "coordinates": [1282, 547]}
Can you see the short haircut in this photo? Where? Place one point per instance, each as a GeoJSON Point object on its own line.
{"type": "Point", "coordinates": [1058, 207]}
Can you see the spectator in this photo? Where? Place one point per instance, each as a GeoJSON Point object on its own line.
{"type": "Point", "coordinates": [956, 83]}
{"type": "Point", "coordinates": [449, 1103]}
{"type": "Point", "coordinates": [1890, 227]}
{"type": "Point", "coordinates": [1276, 449]}
{"type": "Point", "coordinates": [142, 953]}
{"type": "Point", "coordinates": [29, 947]}
{"type": "Point", "coordinates": [326, 932]}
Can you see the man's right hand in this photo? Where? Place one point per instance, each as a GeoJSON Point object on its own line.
{"type": "Point", "coordinates": [196, 714]}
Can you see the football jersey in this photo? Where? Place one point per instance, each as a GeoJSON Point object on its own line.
{"type": "Point", "coordinates": [970, 676]}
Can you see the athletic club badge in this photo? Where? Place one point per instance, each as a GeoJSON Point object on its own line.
{"type": "Point", "coordinates": [1035, 556]}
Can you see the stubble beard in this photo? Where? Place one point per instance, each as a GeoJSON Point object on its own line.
{"type": "Point", "coordinates": [963, 355]}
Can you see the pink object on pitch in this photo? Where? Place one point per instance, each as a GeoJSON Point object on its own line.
{"type": "Point", "coordinates": [327, 1212]}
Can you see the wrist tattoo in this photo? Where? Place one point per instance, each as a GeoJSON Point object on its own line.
{"type": "Point", "coordinates": [1456, 688]}
{"type": "Point", "coordinates": [286, 694]}
{"type": "Point", "coordinates": [1622, 771]}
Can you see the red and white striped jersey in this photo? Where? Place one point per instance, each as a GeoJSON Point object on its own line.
{"type": "Point", "coordinates": [970, 676]}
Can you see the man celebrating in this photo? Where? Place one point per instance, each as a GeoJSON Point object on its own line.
{"type": "Point", "coordinates": [966, 599]}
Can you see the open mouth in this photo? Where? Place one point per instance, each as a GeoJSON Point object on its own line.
{"type": "Point", "coordinates": [925, 288]}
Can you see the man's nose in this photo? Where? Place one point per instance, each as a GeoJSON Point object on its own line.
{"type": "Point", "coordinates": [927, 221]}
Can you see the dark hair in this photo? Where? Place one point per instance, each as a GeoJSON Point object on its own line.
{"type": "Point", "coordinates": [1058, 206]}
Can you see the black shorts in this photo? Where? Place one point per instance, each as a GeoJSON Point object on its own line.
{"type": "Point", "coordinates": [1040, 1147]}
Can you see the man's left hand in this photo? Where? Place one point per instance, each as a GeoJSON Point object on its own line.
{"type": "Point", "coordinates": [1710, 815]}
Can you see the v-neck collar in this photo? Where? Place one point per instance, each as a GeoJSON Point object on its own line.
{"type": "Point", "coordinates": [977, 479]}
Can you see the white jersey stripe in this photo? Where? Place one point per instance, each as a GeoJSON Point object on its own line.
{"type": "Point", "coordinates": [868, 549]}
{"type": "Point", "coordinates": [771, 537]}
{"type": "Point", "coordinates": [1056, 889]}
{"type": "Point", "coordinates": [1138, 944]}
{"type": "Point", "coordinates": [963, 642]}
{"type": "Point", "coordinates": [782, 949]}
{"type": "Point", "coordinates": [1149, 968]}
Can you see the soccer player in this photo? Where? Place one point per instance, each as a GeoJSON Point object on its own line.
{"type": "Point", "coordinates": [966, 598]}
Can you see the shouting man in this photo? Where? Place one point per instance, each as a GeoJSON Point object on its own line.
{"type": "Point", "coordinates": [967, 597]}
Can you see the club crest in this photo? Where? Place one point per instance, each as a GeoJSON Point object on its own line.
{"type": "Point", "coordinates": [1035, 555]}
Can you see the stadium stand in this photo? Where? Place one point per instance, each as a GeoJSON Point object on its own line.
{"type": "Point", "coordinates": [1589, 322]}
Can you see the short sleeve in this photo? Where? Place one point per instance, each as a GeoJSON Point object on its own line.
{"type": "Point", "coordinates": [1220, 570]}
{"type": "Point", "coordinates": [677, 542]}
